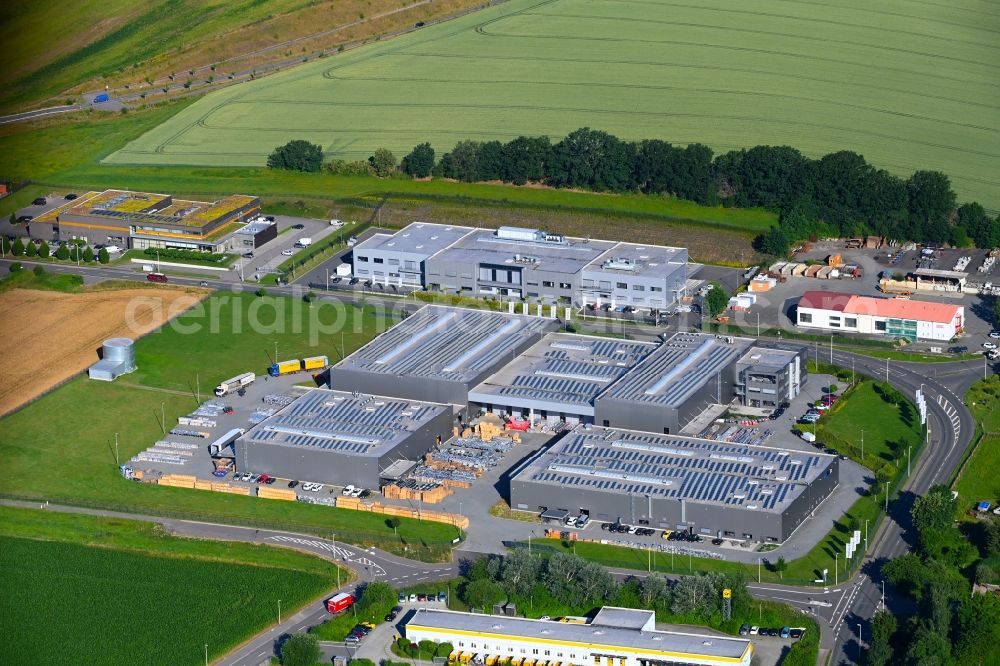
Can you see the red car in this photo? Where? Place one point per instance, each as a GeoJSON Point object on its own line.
{"type": "Point", "coordinates": [264, 478]}
{"type": "Point", "coordinates": [156, 277]}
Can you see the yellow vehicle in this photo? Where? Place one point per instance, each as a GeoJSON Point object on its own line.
{"type": "Point", "coordinates": [315, 362]}
{"type": "Point", "coordinates": [666, 534]}
{"type": "Point", "coordinates": [368, 624]}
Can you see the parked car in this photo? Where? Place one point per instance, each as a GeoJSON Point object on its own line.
{"type": "Point", "coordinates": [717, 541]}
{"type": "Point", "coordinates": [248, 255]}
{"type": "Point", "coordinates": [785, 632]}
{"type": "Point", "coordinates": [263, 478]}
{"type": "Point", "coordinates": [40, 201]}
{"type": "Point", "coordinates": [795, 633]}
{"type": "Point", "coordinates": [582, 520]}
{"type": "Point", "coordinates": [70, 196]}
{"type": "Point", "coordinates": [348, 489]}
{"type": "Point", "coordinates": [754, 630]}
{"type": "Point", "coordinates": [353, 280]}
{"type": "Point", "coordinates": [745, 630]}
{"type": "Point", "coordinates": [571, 521]}
{"type": "Point", "coordinates": [298, 226]}
{"type": "Point", "coordinates": [989, 345]}
{"type": "Point", "coordinates": [357, 492]}
{"type": "Point", "coordinates": [287, 253]}
{"type": "Point", "coordinates": [413, 598]}
{"type": "Point", "coordinates": [293, 483]}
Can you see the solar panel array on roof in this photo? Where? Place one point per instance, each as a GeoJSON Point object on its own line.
{"type": "Point", "coordinates": [682, 364]}
{"type": "Point", "coordinates": [446, 343]}
{"type": "Point", "coordinates": [676, 468]}
{"type": "Point", "coordinates": [343, 422]}
{"type": "Point", "coordinates": [565, 369]}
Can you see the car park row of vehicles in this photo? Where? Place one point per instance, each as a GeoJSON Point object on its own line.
{"type": "Point", "coordinates": [783, 632]}
{"type": "Point", "coordinates": [814, 413]}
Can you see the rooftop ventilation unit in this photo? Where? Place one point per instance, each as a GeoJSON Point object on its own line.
{"type": "Point", "coordinates": [558, 239]}
{"type": "Point", "coordinates": [619, 264]}
{"type": "Point", "coordinates": [518, 234]}
{"type": "Point", "coordinates": [526, 259]}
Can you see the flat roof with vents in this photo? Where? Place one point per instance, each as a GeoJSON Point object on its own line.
{"type": "Point", "coordinates": [673, 467]}
{"type": "Point", "coordinates": [648, 260]}
{"type": "Point", "coordinates": [455, 626]}
{"type": "Point", "coordinates": [344, 423]}
{"type": "Point", "coordinates": [677, 369]}
{"type": "Point", "coordinates": [417, 238]}
{"type": "Point", "coordinates": [483, 246]}
{"type": "Point", "coordinates": [562, 373]}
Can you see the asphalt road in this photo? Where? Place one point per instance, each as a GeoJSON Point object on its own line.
{"type": "Point", "coordinates": [852, 605]}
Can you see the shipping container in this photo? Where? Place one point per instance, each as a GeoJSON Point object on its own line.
{"type": "Point", "coordinates": [339, 602]}
{"type": "Point", "coordinates": [315, 362]}
{"type": "Point", "coordinates": [284, 367]}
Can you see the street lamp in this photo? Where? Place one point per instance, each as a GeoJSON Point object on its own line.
{"type": "Point", "coordinates": [859, 642]}
{"type": "Point", "coordinates": [163, 418]}
{"type": "Point", "coordinates": [279, 611]}
{"type": "Point", "coordinates": [206, 654]}
{"type": "Point", "coordinates": [116, 449]}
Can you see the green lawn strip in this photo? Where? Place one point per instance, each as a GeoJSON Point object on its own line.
{"type": "Point", "coordinates": [27, 279]}
{"type": "Point", "coordinates": [176, 360]}
{"type": "Point", "coordinates": [151, 539]}
{"type": "Point", "coordinates": [126, 603]}
{"type": "Point", "coordinates": [978, 479]}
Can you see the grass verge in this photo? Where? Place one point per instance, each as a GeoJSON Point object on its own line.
{"type": "Point", "coordinates": [978, 480]}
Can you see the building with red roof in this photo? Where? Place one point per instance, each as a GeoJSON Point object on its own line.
{"type": "Point", "coordinates": [868, 315]}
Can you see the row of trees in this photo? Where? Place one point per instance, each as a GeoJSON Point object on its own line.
{"type": "Point", "coordinates": [581, 585]}
{"type": "Point", "coordinates": [72, 252]}
{"type": "Point", "coordinates": [837, 194]}
{"type": "Point", "coordinates": [950, 625]}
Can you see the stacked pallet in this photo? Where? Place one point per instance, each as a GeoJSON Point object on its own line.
{"type": "Point", "coordinates": [486, 431]}
{"type": "Point", "coordinates": [428, 496]}
{"type": "Point", "coordinates": [403, 512]}
{"type": "Point", "coordinates": [177, 480]}
{"type": "Point", "coordinates": [276, 493]}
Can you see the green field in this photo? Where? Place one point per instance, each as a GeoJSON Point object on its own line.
{"type": "Point", "coordinates": [979, 480]}
{"type": "Point", "coordinates": [70, 458]}
{"type": "Point", "coordinates": [905, 84]}
{"type": "Point", "coordinates": [85, 590]}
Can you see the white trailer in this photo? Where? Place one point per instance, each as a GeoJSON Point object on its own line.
{"type": "Point", "coordinates": [235, 384]}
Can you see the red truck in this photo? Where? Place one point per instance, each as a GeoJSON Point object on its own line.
{"type": "Point", "coordinates": [156, 277]}
{"type": "Point", "coordinates": [339, 602]}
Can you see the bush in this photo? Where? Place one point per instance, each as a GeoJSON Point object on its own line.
{"type": "Point", "coordinates": [260, 293]}
{"type": "Point", "coordinates": [301, 650]}
{"type": "Point", "coordinates": [31, 250]}
{"type": "Point", "coordinates": [18, 248]}
{"type": "Point", "coordinates": [103, 256]}
{"type": "Point", "coordinates": [191, 255]}
{"type": "Point", "coordinates": [39, 271]}
{"type": "Point", "coordinates": [296, 155]}
{"type": "Point", "coordinates": [345, 168]}
{"type": "Point", "coordinates": [88, 254]}
{"type": "Point", "coordinates": [16, 267]}
{"type": "Point", "coordinates": [62, 253]}
{"type": "Point", "coordinates": [43, 250]}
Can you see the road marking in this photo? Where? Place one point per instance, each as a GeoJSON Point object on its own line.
{"type": "Point", "coordinates": [345, 554]}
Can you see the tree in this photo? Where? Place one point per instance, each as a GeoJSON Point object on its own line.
{"type": "Point", "coordinates": [62, 253]}
{"type": "Point", "coordinates": [383, 162]}
{"type": "Point", "coordinates": [977, 635]}
{"type": "Point", "coordinates": [983, 231]}
{"type": "Point", "coordinates": [780, 566]}
{"type": "Point", "coordinates": [260, 293]}
{"type": "Point", "coordinates": [376, 594]}
{"type": "Point", "coordinates": [717, 300]}
{"type": "Point", "coordinates": [301, 650]}
{"type": "Point", "coordinates": [934, 510]}
{"type": "Point", "coordinates": [43, 250]}
{"type": "Point", "coordinates": [296, 155]}
{"type": "Point", "coordinates": [596, 583]}
{"type": "Point", "coordinates": [561, 576]}
{"type": "Point", "coordinates": [31, 250]}
{"type": "Point", "coordinates": [592, 159]}
{"type": "Point", "coordinates": [655, 592]}
{"type": "Point", "coordinates": [906, 572]}
{"type": "Point", "coordinates": [18, 248]}
{"type": "Point", "coordinates": [695, 595]}
{"type": "Point", "coordinates": [88, 254]}
{"type": "Point", "coordinates": [527, 159]}
{"type": "Point", "coordinates": [519, 571]}
{"type": "Point", "coordinates": [482, 594]}
{"type": "Point", "coordinates": [394, 523]}
{"type": "Point", "coordinates": [103, 256]}
{"type": "Point", "coordinates": [420, 162]}
{"type": "Point", "coordinates": [880, 647]}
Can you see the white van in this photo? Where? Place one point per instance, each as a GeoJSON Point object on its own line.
{"type": "Point", "coordinates": [336, 224]}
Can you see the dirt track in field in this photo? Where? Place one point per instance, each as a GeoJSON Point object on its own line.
{"type": "Point", "coordinates": [50, 336]}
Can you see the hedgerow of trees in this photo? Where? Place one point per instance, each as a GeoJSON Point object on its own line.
{"type": "Point", "coordinates": [837, 194]}
{"type": "Point", "coordinates": [948, 624]}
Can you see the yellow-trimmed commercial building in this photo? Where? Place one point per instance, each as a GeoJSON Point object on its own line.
{"type": "Point", "coordinates": [144, 219]}
{"type": "Point", "coordinates": [615, 637]}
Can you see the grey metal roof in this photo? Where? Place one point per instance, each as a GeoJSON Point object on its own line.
{"type": "Point", "coordinates": [344, 423]}
{"type": "Point", "coordinates": [483, 247]}
{"type": "Point", "coordinates": [418, 238]}
{"type": "Point", "coordinates": [626, 618]}
{"type": "Point", "coordinates": [587, 636]}
{"type": "Point", "coordinates": [682, 365]}
{"type": "Point", "coordinates": [673, 467]}
{"type": "Point", "coordinates": [647, 260]}
{"type": "Point", "coordinates": [562, 372]}
{"type": "Point", "coordinates": [447, 343]}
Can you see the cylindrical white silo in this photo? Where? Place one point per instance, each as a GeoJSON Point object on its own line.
{"type": "Point", "coordinates": [121, 350]}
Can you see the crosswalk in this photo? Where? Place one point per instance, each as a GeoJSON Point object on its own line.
{"type": "Point", "coordinates": [338, 551]}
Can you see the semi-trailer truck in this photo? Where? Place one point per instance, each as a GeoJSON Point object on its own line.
{"type": "Point", "coordinates": [339, 602]}
{"type": "Point", "coordinates": [315, 362]}
{"type": "Point", "coordinates": [284, 367]}
{"type": "Point", "coordinates": [235, 384]}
